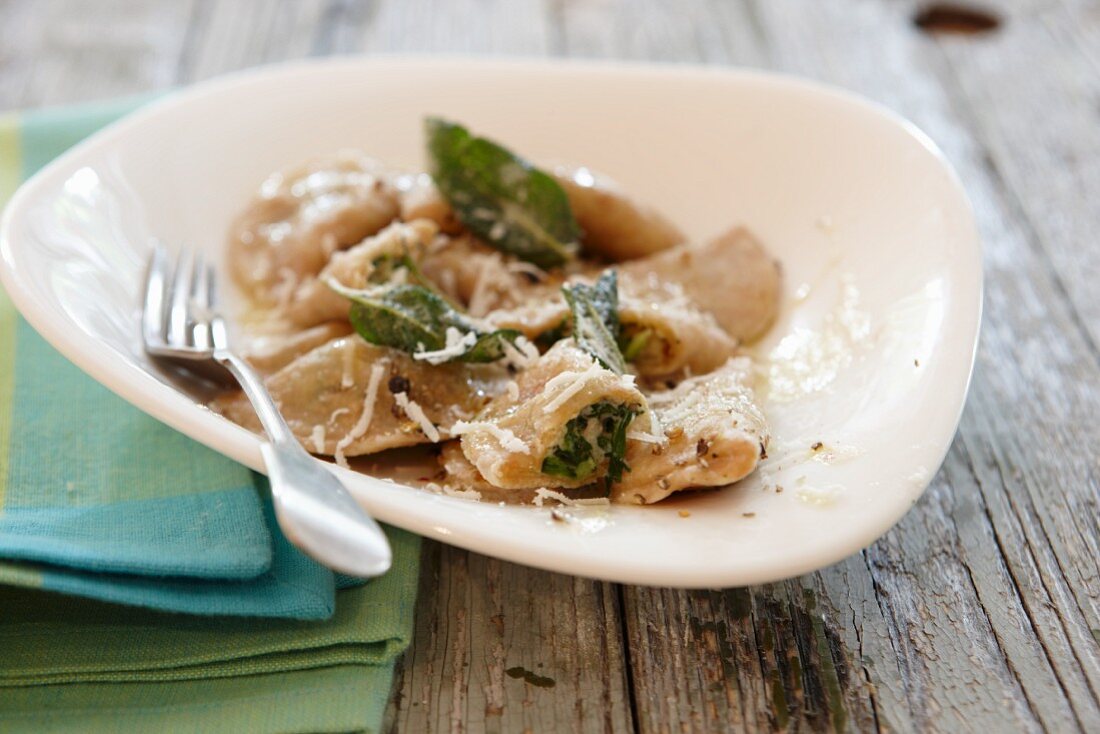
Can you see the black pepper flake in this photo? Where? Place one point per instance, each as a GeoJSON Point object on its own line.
{"type": "Point", "coordinates": [748, 514]}
{"type": "Point", "coordinates": [398, 384]}
{"type": "Point", "coordinates": [817, 446]}
{"type": "Point", "coordinates": [763, 451]}
{"type": "Point", "coordinates": [702, 447]}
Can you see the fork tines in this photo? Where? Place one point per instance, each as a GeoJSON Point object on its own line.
{"type": "Point", "coordinates": [179, 302]}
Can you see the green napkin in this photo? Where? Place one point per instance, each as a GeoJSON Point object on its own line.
{"type": "Point", "coordinates": [72, 664]}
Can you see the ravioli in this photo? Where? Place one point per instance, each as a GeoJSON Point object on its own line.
{"type": "Point", "coordinates": [711, 434]}
{"type": "Point", "coordinates": [541, 330]}
{"type": "Point", "coordinates": [731, 276]}
{"type": "Point", "coordinates": [314, 301]}
{"type": "Point", "coordinates": [299, 218]}
{"type": "Point", "coordinates": [343, 398]}
{"type": "Point", "coordinates": [515, 435]}
{"type": "Point", "coordinates": [614, 225]}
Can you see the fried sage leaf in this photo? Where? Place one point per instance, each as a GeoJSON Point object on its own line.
{"type": "Point", "coordinates": [595, 310]}
{"type": "Point", "coordinates": [416, 320]}
{"type": "Point", "coordinates": [500, 197]}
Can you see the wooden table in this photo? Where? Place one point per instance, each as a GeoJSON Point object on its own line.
{"type": "Point", "coordinates": [980, 611]}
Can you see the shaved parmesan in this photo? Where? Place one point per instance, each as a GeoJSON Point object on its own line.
{"type": "Point", "coordinates": [508, 440]}
{"type": "Point", "coordinates": [513, 389]}
{"type": "Point", "coordinates": [519, 266]}
{"type": "Point", "coordinates": [416, 413]}
{"type": "Point", "coordinates": [567, 384]}
{"type": "Point", "coordinates": [542, 494]}
{"type": "Point", "coordinates": [457, 344]}
{"type": "Point", "coordinates": [346, 377]}
{"type": "Point", "coordinates": [482, 297]}
{"type": "Point", "coordinates": [377, 371]}
{"type": "Point", "coordinates": [520, 355]}
{"type": "Point", "coordinates": [646, 437]}
{"type": "Point", "coordinates": [318, 439]}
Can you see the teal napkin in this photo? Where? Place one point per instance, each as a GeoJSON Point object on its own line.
{"type": "Point", "coordinates": [101, 500]}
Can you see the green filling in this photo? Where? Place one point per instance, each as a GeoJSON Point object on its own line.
{"type": "Point", "coordinates": [635, 344]}
{"type": "Point", "coordinates": [576, 458]}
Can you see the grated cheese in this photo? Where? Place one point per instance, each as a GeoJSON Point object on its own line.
{"type": "Point", "coordinates": [656, 427]}
{"type": "Point", "coordinates": [318, 438]}
{"type": "Point", "coordinates": [360, 428]}
{"type": "Point", "coordinates": [646, 437]}
{"type": "Point", "coordinates": [346, 377]}
{"type": "Point", "coordinates": [567, 384]}
{"type": "Point", "coordinates": [513, 389]}
{"type": "Point", "coordinates": [693, 402]}
{"type": "Point", "coordinates": [416, 413]}
{"type": "Point", "coordinates": [519, 266]}
{"type": "Point", "coordinates": [520, 355]}
{"type": "Point", "coordinates": [457, 344]}
{"type": "Point", "coordinates": [481, 299]}
{"type": "Point", "coordinates": [542, 494]}
{"type": "Point", "coordinates": [509, 441]}
{"type": "Point", "coordinates": [496, 283]}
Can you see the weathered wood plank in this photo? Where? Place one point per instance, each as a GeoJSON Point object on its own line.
{"type": "Point", "coordinates": [494, 27]}
{"type": "Point", "coordinates": [1043, 139]}
{"type": "Point", "coordinates": [64, 51]}
{"type": "Point", "coordinates": [227, 35]}
{"type": "Point", "coordinates": [502, 648]}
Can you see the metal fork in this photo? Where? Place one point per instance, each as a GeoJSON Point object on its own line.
{"type": "Point", "coordinates": [315, 511]}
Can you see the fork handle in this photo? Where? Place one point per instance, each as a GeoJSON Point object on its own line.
{"type": "Point", "coordinates": [278, 432]}
{"type": "Point", "coordinates": [314, 509]}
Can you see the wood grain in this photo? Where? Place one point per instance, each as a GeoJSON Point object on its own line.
{"type": "Point", "coordinates": [981, 609]}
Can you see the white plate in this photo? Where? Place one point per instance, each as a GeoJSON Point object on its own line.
{"type": "Point", "coordinates": [880, 256]}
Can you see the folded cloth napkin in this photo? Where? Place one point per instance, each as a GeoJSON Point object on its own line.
{"type": "Point", "coordinates": [99, 500]}
{"type": "Point", "coordinates": [71, 664]}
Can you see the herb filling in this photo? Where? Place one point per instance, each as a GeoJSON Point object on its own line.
{"type": "Point", "coordinates": [597, 433]}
